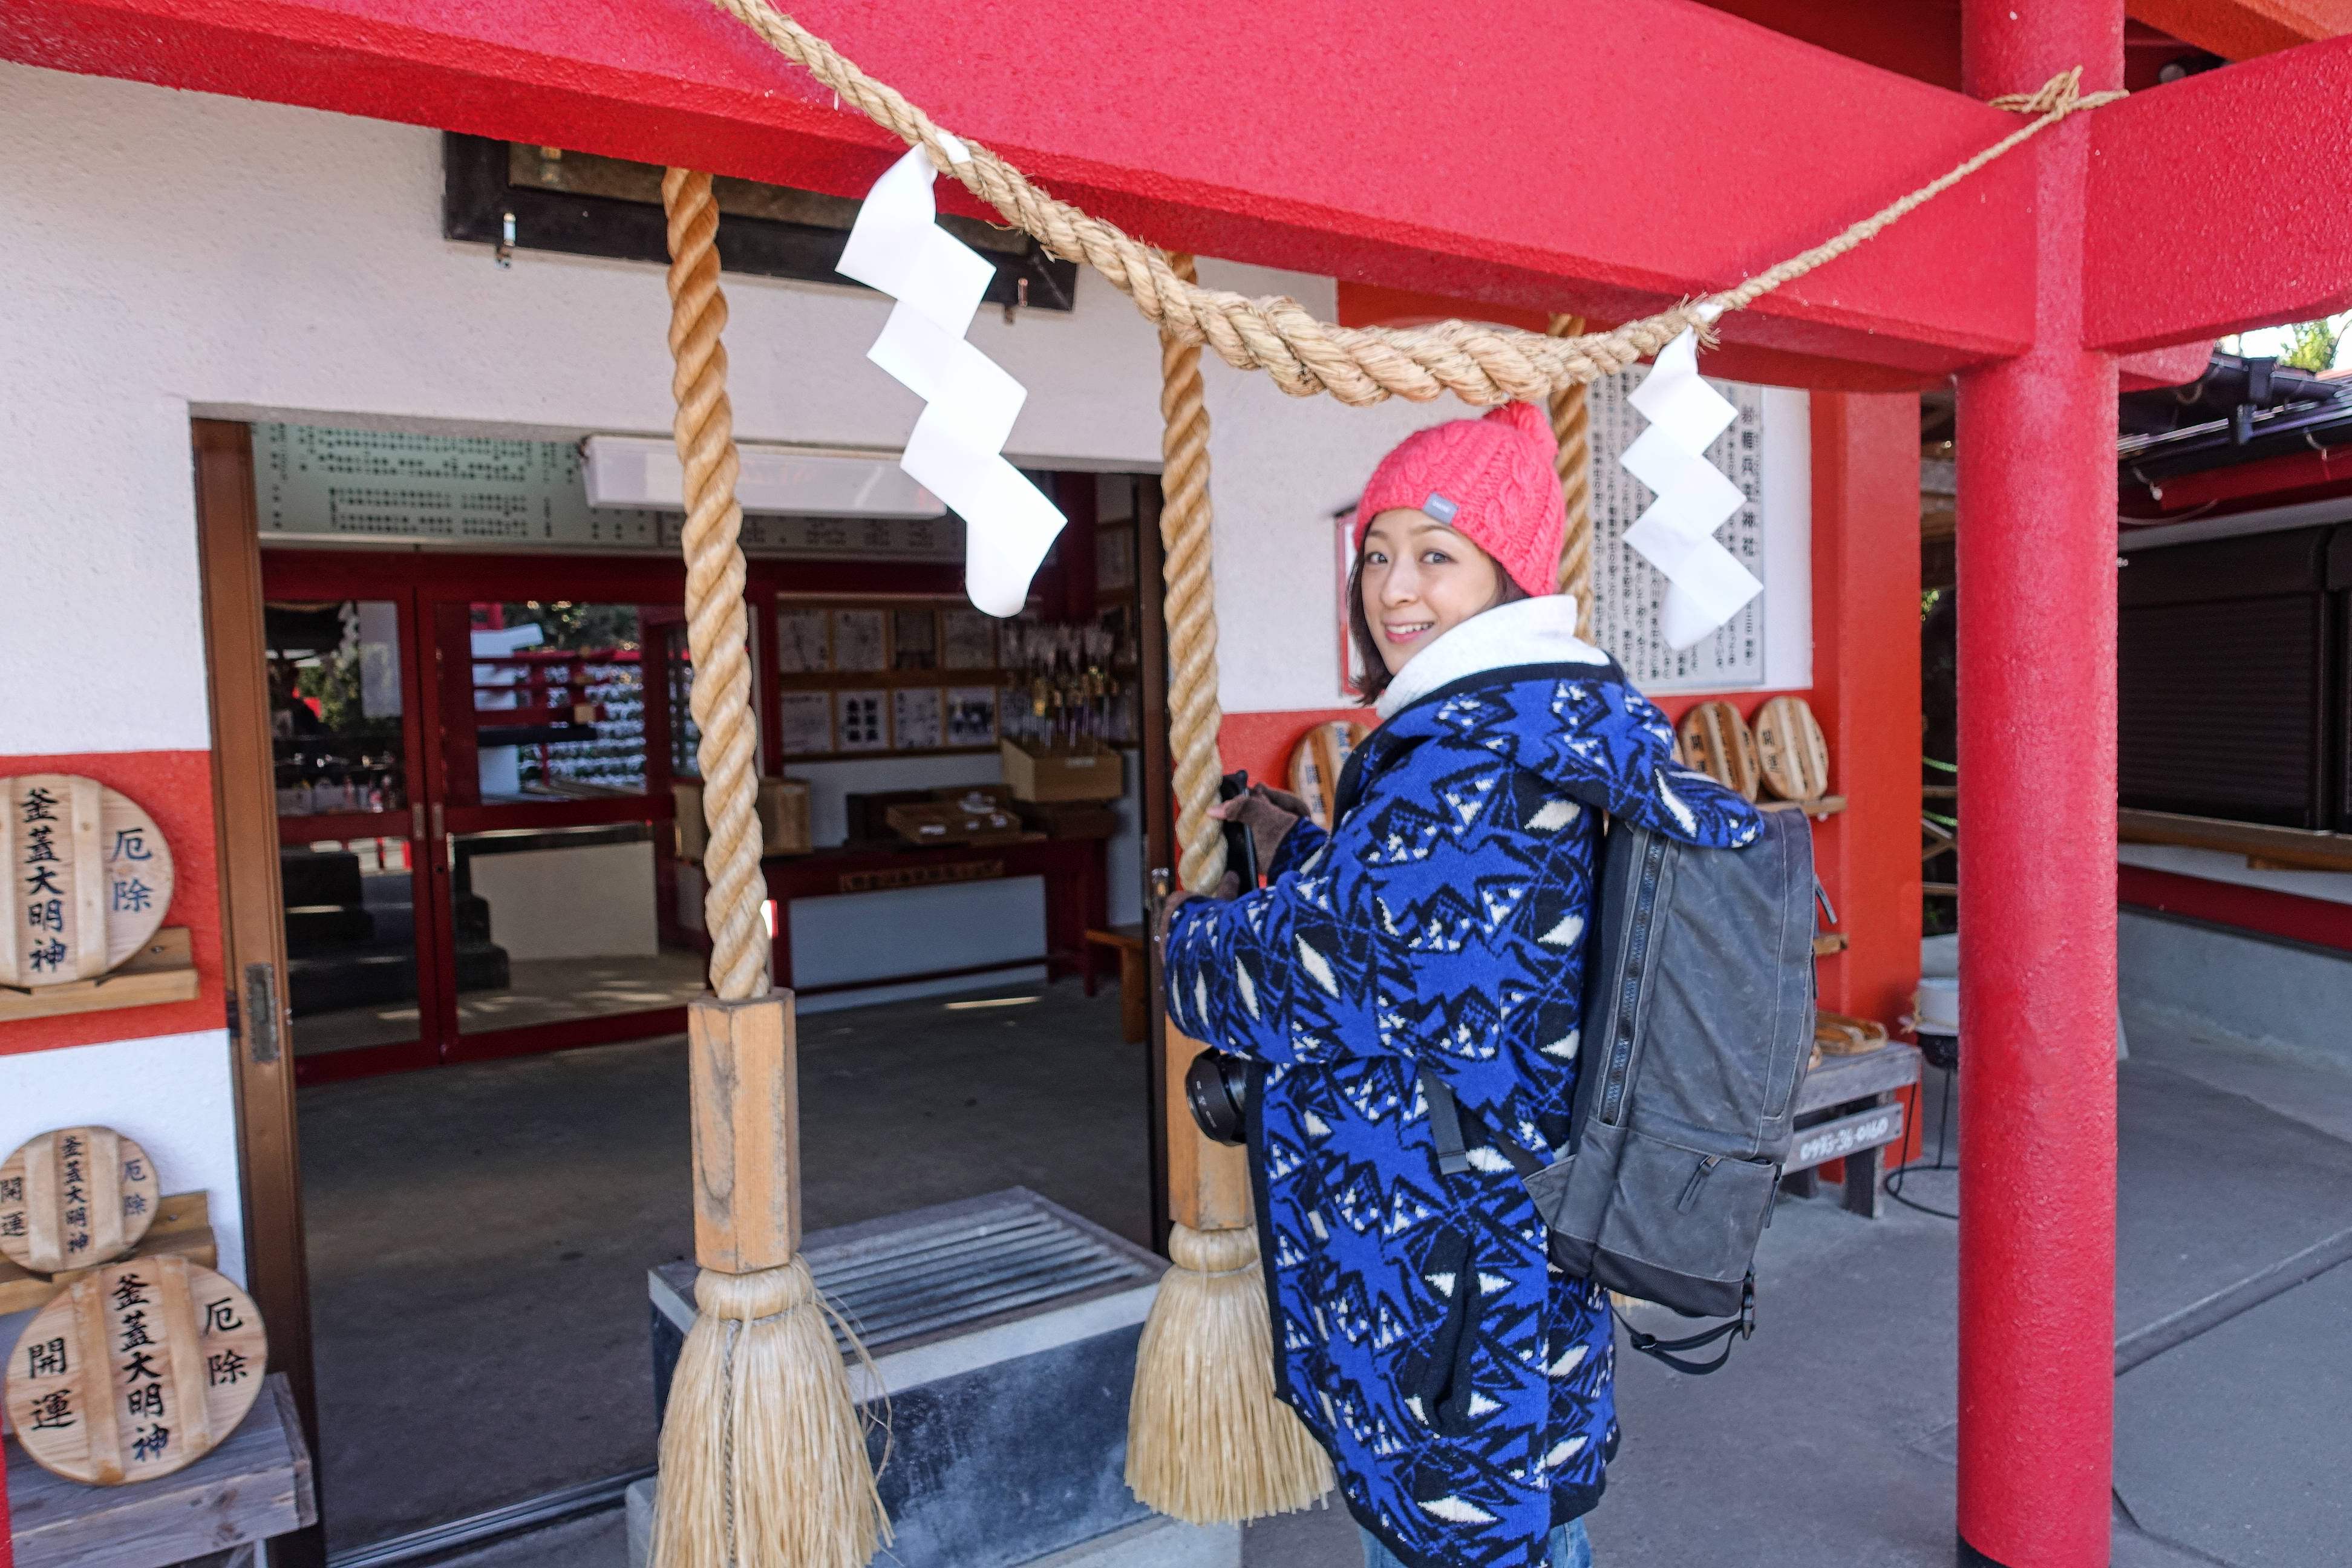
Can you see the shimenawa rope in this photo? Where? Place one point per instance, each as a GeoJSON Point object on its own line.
{"type": "Point", "coordinates": [1209, 1440]}
{"type": "Point", "coordinates": [1571, 429]}
{"type": "Point", "coordinates": [763, 1460]}
{"type": "Point", "coordinates": [715, 617]}
{"type": "Point", "coordinates": [1194, 714]}
{"type": "Point", "coordinates": [1477, 361]}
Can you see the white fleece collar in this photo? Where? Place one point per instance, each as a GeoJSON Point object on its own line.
{"type": "Point", "coordinates": [1525, 631]}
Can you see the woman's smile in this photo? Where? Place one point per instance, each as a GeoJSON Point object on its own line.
{"type": "Point", "coordinates": [1416, 579]}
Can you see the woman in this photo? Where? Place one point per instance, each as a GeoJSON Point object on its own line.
{"type": "Point", "coordinates": [1462, 1385]}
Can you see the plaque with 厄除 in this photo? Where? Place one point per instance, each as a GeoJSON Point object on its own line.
{"type": "Point", "coordinates": [76, 1197]}
{"type": "Point", "coordinates": [88, 878]}
{"type": "Point", "coordinates": [138, 1369]}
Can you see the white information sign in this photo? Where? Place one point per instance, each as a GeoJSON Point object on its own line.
{"type": "Point", "coordinates": [1766, 452]}
{"type": "Point", "coordinates": [319, 484]}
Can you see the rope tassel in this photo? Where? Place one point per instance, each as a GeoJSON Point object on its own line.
{"type": "Point", "coordinates": [764, 1459]}
{"type": "Point", "coordinates": [1208, 1440]}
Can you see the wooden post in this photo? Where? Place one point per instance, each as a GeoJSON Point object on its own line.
{"type": "Point", "coordinates": [747, 1173]}
{"type": "Point", "coordinates": [1208, 1182]}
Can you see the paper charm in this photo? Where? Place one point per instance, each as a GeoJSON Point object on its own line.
{"type": "Point", "coordinates": [957, 449]}
{"type": "Point", "coordinates": [1705, 585]}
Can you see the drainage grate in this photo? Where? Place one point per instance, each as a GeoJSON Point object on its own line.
{"type": "Point", "coordinates": [924, 1280]}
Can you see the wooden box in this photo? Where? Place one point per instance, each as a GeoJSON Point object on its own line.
{"type": "Point", "coordinates": [1088, 771]}
{"type": "Point", "coordinates": [783, 818]}
{"type": "Point", "coordinates": [979, 821]}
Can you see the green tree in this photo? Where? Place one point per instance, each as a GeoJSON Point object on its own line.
{"type": "Point", "coordinates": [2312, 345]}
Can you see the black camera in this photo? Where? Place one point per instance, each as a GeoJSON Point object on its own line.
{"type": "Point", "coordinates": [1217, 1087]}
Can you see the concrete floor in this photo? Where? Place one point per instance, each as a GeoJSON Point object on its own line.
{"type": "Point", "coordinates": [479, 1234]}
{"type": "Point", "coordinates": [1829, 1439]}
{"type": "Point", "coordinates": [540, 991]}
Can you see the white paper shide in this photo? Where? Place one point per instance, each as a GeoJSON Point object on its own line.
{"type": "Point", "coordinates": [957, 450]}
{"type": "Point", "coordinates": [1706, 584]}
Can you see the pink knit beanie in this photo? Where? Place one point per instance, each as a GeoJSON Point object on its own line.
{"type": "Point", "coordinates": [1491, 481]}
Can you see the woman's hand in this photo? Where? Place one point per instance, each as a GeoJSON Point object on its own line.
{"type": "Point", "coordinates": [1228, 887]}
{"type": "Point", "coordinates": [1268, 814]}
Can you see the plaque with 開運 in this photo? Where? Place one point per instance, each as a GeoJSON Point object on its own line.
{"type": "Point", "coordinates": [138, 1369]}
{"type": "Point", "coordinates": [74, 1198]}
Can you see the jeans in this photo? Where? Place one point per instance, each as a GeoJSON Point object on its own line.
{"type": "Point", "coordinates": [1569, 1549]}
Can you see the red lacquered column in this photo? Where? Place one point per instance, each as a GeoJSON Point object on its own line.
{"type": "Point", "coordinates": [2037, 683]}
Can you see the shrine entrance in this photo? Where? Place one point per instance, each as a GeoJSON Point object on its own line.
{"type": "Point", "coordinates": [472, 795]}
{"type": "Point", "coordinates": [465, 769]}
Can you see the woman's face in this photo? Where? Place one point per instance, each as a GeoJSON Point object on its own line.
{"type": "Point", "coordinates": [1420, 578]}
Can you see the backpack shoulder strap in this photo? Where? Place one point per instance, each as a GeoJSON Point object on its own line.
{"type": "Point", "coordinates": [1444, 1124]}
{"type": "Point", "coordinates": [1445, 1127]}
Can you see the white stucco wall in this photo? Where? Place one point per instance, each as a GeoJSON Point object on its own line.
{"type": "Point", "coordinates": [168, 251]}
{"type": "Point", "coordinates": [171, 1093]}
{"type": "Point", "coordinates": [171, 253]}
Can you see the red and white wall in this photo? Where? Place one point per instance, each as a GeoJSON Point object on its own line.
{"type": "Point", "coordinates": [171, 254]}
{"type": "Point", "coordinates": [174, 254]}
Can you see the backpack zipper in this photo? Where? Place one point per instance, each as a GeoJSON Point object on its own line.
{"type": "Point", "coordinates": [1697, 1180]}
{"type": "Point", "coordinates": [1621, 1053]}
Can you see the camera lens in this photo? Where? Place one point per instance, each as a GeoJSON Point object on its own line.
{"type": "Point", "coordinates": [1217, 1087]}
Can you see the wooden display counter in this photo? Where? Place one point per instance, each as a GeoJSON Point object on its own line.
{"type": "Point", "coordinates": [253, 1488]}
{"type": "Point", "coordinates": [1077, 894]}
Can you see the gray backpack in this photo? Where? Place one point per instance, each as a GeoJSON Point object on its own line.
{"type": "Point", "coordinates": [1698, 1023]}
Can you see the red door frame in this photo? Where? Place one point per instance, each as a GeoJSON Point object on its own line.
{"type": "Point", "coordinates": [413, 825]}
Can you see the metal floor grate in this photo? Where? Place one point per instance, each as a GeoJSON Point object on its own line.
{"type": "Point", "coordinates": [941, 1277]}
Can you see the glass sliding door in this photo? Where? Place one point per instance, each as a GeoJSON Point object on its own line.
{"type": "Point", "coordinates": [556, 773]}
{"type": "Point", "coordinates": [352, 829]}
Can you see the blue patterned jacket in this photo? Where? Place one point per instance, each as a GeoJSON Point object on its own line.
{"type": "Point", "coordinates": [1462, 1384]}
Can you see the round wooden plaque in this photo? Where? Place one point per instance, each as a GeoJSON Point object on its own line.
{"type": "Point", "coordinates": [74, 1198]}
{"type": "Point", "coordinates": [88, 878]}
{"type": "Point", "coordinates": [139, 1368]}
{"type": "Point", "coordinates": [1316, 764]}
{"type": "Point", "coordinates": [1715, 740]}
{"type": "Point", "coordinates": [1789, 750]}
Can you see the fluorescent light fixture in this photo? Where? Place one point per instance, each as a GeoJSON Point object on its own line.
{"type": "Point", "coordinates": [644, 472]}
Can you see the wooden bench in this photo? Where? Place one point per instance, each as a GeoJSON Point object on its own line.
{"type": "Point", "coordinates": [1134, 977]}
{"type": "Point", "coordinates": [1848, 1110]}
{"type": "Point", "coordinates": [218, 1511]}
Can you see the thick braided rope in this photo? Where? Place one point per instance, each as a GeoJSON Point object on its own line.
{"type": "Point", "coordinates": [716, 622]}
{"type": "Point", "coordinates": [1572, 427]}
{"type": "Point", "coordinates": [1475, 361]}
{"type": "Point", "coordinates": [1194, 714]}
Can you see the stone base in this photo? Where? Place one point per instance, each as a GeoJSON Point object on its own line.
{"type": "Point", "coordinates": [1003, 1333]}
{"type": "Point", "coordinates": [1154, 1544]}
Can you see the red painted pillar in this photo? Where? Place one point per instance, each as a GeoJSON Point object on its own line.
{"type": "Point", "coordinates": [2037, 680]}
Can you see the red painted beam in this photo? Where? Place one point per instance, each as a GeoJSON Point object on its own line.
{"type": "Point", "coordinates": [1603, 155]}
{"type": "Point", "coordinates": [2319, 921]}
{"type": "Point", "coordinates": [2218, 202]}
{"type": "Point", "coordinates": [1372, 305]}
{"type": "Point", "coordinates": [2241, 29]}
{"type": "Point", "coordinates": [2273, 481]}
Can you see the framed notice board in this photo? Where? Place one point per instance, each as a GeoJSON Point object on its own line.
{"type": "Point", "coordinates": [885, 676]}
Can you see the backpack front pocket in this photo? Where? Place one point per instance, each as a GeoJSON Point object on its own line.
{"type": "Point", "coordinates": [1676, 1211]}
